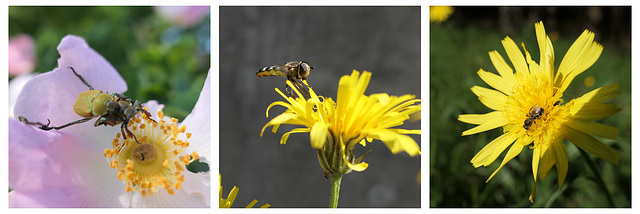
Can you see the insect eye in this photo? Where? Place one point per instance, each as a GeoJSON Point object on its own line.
{"type": "Point", "coordinates": [304, 68]}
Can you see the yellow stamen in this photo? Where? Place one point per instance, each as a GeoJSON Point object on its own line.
{"type": "Point", "coordinates": [154, 162]}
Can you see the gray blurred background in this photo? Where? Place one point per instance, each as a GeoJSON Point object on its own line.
{"type": "Point", "coordinates": [334, 40]}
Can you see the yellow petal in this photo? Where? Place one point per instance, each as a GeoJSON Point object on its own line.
{"type": "Point", "coordinates": [547, 55]}
{"type": "Point", "coordinates": [594, 128]}
{"type": "Point", "coordinates": [580, 56]}
{"type": "Point", "coordinates": [491, 98]}
{"type": "Point", "coordinates": [548, 159]}
{"type": "Point", "coordinates": [395, 142]}
{"type": "Point", "coordinates": [280, 119]}
{"type": "Point", "coordinates": [359, 167]}
{"type": "Point", "coordinates": [496, 81]}
{"type": "Point", "coordinates": [281, 103]}
{"type": "Point", "coordinates": [491, 151]}
{"type": "Point", "coordinates": [491, 124]}
{"type": "Point", "coordinates": [232, 195]}
{"type": "Point", "coordinates": [363, 82]}
{"type": "Point", "coordinates": [406, 131]}
{"type": "Point", "coordinates": [533, 193]}
{"type": "Point", "coordinates": [515, 55]}
{"type": "Point", "coordinates": [562, 162]}
{"type": "Point", "coordinates": [600, 94]}
{"type": "Point", "coordinates": [479, 118]}
{"type": "Point", "coordinates": [250, 205]}
{"type": "Point", "coordinates": [285, 136]}
{"type": "Point", "coordinates": [503, 68]}
{"type": "Point", "coordinates": [514, 151]}
{"type": "Point", "coordinates": [591, 145]}
{"type": "Point", "coordinates": [318, 135]}
{"type": "Point", "coordinates": [593, 110]}
{"type": "Point", "coordinates": [534, 165]}
{"type": "Point", "coordinates": [533, 66]}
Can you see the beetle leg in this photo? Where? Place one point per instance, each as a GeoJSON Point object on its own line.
{"type": "Point", "coordinates": [139, 108]}
{"type": "Point", "coordinates": [82, 79]}
{"type": "Point", "coordinates": [124, 128]}
{"type": "Point", "coordinates": [42, 126]}
{"type": "Point", "coordinates": [122, 97]}
{"type": "Point", "coordinates": [148, 115]}
{"type": "Point", "coordinates": [122, 132]}
{"type": "Point", "coordinates": [47, 127]}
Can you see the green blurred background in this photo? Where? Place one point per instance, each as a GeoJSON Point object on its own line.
{"type": "Point", "coordinates": [158, 58]}
{"type": "Point", "coordinates": [459, 48]}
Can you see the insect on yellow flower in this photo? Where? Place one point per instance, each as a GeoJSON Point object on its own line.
{"type": "Point", "coordinates": [336, 127]}
{"type": "Point", "coordinates": [527, 104]}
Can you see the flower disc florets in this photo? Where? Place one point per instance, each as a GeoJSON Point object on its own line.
{"type": "Point", "coordinates": [154, 162]}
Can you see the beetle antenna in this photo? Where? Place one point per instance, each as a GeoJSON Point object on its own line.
{"type": "Point", "coordinates": [82, 79]}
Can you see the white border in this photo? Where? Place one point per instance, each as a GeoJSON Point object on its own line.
{"type": "Point", "coordinates": [215, 96]}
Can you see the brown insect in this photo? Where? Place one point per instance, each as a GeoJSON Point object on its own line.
{"type": "Point", "coordinates": [535, 112]}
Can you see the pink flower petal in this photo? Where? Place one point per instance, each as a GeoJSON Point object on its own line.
{"type": "Point", "coordinates": [51, 95]}
{"type": "Point", "coordinates": [22, 58]}
{"type": "Point", "coordinates": [163, 199]}
{"type": "Point", "coordinates": [198, 123]}
{"type": "Point", "coordinates": [184, 16]}
{"type": "Point", "coordinates": [55, 169]}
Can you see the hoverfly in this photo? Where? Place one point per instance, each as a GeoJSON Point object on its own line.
{"type": "Point", "coordinates": [535, 112]}
{"type": "Point", "coordinates": [293, 71]}
{"type": "Point", "coordinates": [112, 109]}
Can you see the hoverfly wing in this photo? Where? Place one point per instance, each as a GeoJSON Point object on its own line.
{"type": "Point", "coordinates": [272, 71]}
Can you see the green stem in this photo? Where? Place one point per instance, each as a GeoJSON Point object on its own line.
{"type": "Point", "coordinates": [335, 190]}
{"type": "Point", "coordinates": [598, 177]}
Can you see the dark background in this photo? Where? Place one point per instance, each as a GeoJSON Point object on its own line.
{"type": "Point", "coordinates": [334, 40]}
{"type": "Point", "coordinates": [459, 47]}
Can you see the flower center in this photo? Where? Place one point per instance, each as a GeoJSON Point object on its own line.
{"type": "Point", "coordinates": [154, 161]}
{"type": "Point", "coordinates": [534, 109]}
{"type": "Point", "coordinates": [144, 154]}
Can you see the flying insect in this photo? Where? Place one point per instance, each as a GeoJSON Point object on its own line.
{"type": "Point", "coordinates": [293, 71]}
{"type": "Point", "coordinates": [112, 109]}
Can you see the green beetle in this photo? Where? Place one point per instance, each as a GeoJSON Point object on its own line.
{"type": "Point", "coordinates": [112, 109]}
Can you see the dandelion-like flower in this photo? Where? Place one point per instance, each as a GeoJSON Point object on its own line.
{"type": "Point", "coordinates": [440, 13]}
{"type": "Point", "coordinates": [529, 108]}
{"type": "Point", "coordinates": [336, 127]}
{"type": "Point", "coordinates": [228, 202]}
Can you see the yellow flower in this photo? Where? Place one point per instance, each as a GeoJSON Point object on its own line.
{"type": "Point", "coordinates": [226, 203]}
{"type": "Point", "coordinates": [336, 127]}
{"type": "Point", "coordinates": [440, 13]}
{"type": "Point", "coordinates": [528, 106]}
